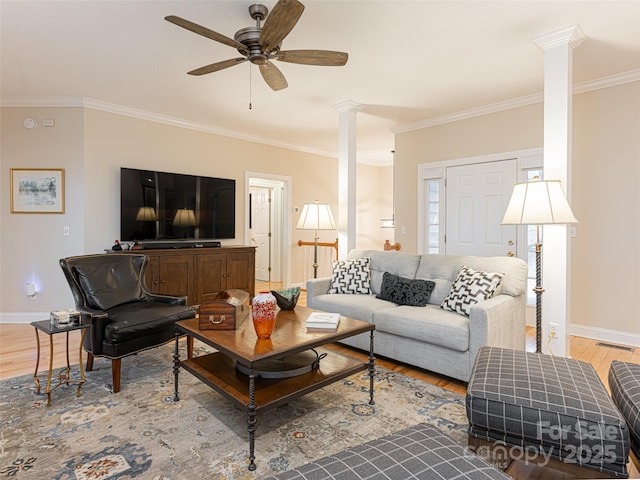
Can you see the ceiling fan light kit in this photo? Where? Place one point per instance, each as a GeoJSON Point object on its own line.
{"type": "Point", "coordinates": [260, 44]}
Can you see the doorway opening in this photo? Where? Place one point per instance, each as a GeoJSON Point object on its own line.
{"type": "Point", "coordinates": [268, 225]}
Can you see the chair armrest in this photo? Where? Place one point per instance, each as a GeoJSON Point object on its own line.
{"type": "Point", "coordinates": [169, 299]}
{"type": "Point", "coordinates": [317, 286]}
{"type": "Point", "coordinates": [499, 322]}
{"type": "Point", "coordinates": [98, 319]}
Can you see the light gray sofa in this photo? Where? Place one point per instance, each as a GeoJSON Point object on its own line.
{"type": "Point", "coordinates": [430, 337]}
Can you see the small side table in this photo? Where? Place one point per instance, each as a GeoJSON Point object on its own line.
{"type": "Point", "coordinates": [63, 376]}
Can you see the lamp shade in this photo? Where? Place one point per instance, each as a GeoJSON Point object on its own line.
{"type": "Point", "coordinates": [538, 203]}
{"type": "Point", "coordinates": [146, 214]}
{"type": "Point", "coordinates": [184, 218]}
{"type": "Point", "coordinates": [316, 216]}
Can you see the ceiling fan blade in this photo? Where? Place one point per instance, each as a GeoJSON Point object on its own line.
{"type": "Point", "coordinates": [214, 67]}
{"type": "Point", "coordinates": [326, 58]}
{"type": "Point", "coordinates": [204, 31]}
{"type": "Point", "coordinates": [274, 77]}
{"type": "Point", "coordinates": [283, 17]}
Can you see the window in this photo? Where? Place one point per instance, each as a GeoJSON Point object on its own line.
{"type": "Point", "coordinates": [433, 216]}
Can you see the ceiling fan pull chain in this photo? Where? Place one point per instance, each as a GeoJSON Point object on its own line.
{"type": "Point", "coordinates": [250, 106]}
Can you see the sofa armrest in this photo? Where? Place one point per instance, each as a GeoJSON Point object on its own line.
{"type": "Point", "coordinates": [317, 286]}
{"type": "Point", "coordinates": [499, 322]}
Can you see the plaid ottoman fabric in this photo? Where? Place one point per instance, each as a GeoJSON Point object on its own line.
{"type": "Point", "coordinates": [624, 382]}
{"type": "Point", "coordinates": [419, 452]}
{"type": "Point", "coordinates": [557, 406]}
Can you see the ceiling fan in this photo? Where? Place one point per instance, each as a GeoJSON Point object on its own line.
{"type": "Point", "coordinates": [261, 44]}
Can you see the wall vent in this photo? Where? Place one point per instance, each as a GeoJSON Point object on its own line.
{"type": "Point", "coordinates": [613, 345]}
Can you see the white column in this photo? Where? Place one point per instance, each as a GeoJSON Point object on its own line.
{"type": "Point", "coordinates": [558, 63]}
{"type": "Point", "coordinates": [347, 175]}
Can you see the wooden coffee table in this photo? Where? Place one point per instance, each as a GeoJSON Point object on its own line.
{"type": "Point", "coordinates": [241, 346]}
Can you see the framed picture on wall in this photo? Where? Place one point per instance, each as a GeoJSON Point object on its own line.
{"type": "Point", "coordinates": [37, 190]}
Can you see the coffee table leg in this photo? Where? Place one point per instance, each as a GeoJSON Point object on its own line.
{"type": "Point", "coordinates": [176, 369]}
{"type": "Point", "coordinates": [251, 421]}
{"type": "Point", "coordinates": [371, 370]}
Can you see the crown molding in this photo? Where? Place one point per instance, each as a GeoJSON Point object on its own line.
{"type": "Point", "coordinates": [43, 102]}
{"type": "Point", "coordinates": [571, 36]}
{"type": "Point", "coordinates": [604, 82]}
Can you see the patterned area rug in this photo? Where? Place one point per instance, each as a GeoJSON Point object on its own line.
{"type": "Point", "coordinates": [141, 432]}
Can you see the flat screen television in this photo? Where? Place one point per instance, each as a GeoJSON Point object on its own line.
{"type": "Point", "coordinates": [173, 206]}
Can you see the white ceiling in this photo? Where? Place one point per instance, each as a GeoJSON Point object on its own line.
{"type": "Point", "coordinates": [409, 61]}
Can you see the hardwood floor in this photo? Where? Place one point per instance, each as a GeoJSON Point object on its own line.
{"type": "Point", "coordinates": [18, 357]}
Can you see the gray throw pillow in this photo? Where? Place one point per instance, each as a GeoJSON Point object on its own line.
{"type": "Point", "coordinates": [405, 291]}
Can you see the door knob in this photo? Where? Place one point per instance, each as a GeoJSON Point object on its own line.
{"type": "Point", "coordinates": [510, 253]}
{"type": "Point", "coordinates": [510, 243]}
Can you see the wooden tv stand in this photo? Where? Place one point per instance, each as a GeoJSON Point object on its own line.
{"type": "Point", "coordinates": [200, 273]}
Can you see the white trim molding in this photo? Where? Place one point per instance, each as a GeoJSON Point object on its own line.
{"type": "Point", "coordinates": [605, 335]}
{"type": "Point", "coordinates": [23, 317]}
{"type": "Point", "coordinates": [604, 82]}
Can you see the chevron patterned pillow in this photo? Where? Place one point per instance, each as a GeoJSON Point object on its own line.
{"type": "Point", "coordinates": [351, 276]}
{"type": "Point", "coordinates": [469, 288]}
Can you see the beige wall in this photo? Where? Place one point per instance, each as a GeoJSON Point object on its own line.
{"type": "Point", "coordinates": [92, 145]}
{"type": "Point", "coordinates": [606, 173]}
{"type": "Point", "coordinates": [32, 243]}
{"type": "Point", "coordinates": [374, 201]}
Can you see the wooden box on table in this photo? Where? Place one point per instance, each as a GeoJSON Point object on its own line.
{"type": "Point", "coordinates": [225, 312]}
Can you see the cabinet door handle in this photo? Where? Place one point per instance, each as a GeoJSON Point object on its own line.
{"type": "Point", "coordinates": [162, 281]}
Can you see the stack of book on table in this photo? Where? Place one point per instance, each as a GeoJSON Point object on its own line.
{"type": "Point", "coordinates": [323, 322]}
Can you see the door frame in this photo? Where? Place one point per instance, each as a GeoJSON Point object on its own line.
{"type": "Point", "coordinates": [525, 160]}
{"type": "Point", "coordinates": [281, 210]}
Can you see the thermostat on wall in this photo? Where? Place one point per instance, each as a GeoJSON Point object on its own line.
{"type": "Point", "coordinates": [30, 123]}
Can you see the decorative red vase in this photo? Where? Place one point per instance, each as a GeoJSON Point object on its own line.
{"type": "Point", "coordinates": [263, 311]}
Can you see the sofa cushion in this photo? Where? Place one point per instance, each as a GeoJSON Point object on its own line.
{"type": "Point", "coordinates": [443, 270]}
{"type": "Point", "coordinates": [405, 291]}
{"type": "Point", "coordinates": [428, 324]}
{"type": "Point", "coordinates": [360, 307]}
{"type": "Point", "coordinates": [351, 276]}
{"type": "Point", "coordinates": [397, 263]}
{"type": "Point", "coordinates": [469, 288]}
{"type": "Point", "coordinates": [107, 285]}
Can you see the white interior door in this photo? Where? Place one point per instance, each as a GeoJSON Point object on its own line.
{"type": "Point", "coordinates": [261, 231]}
{"type": "Point", "coordinates": [476, 199]}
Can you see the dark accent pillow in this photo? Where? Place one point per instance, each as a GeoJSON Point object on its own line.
{"type": "Point", "coordinates": [108, 285]}
{"type": "Point", "coordinates": [405, 291]}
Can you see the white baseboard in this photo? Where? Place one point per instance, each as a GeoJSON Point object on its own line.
{"type": "Point", "coordinates": [606, 335]}
{"type": "Point", "coordinates": [596, 333]}
{"type": "Point", "coordinates": [23, 317]}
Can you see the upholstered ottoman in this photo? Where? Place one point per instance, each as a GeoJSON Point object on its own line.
{"type": "Point", "coordinates": [555, 406]}
{"type": "Point", "coordinates": [420, 452]}
{"type": "Point", "coordinates": [624, 382]}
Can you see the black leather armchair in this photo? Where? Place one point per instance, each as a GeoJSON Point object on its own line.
{"type": "Point", "coordinates": [110, 292]}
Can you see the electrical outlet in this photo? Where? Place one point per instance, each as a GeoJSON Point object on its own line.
{"type": "Point", "coordinates": [553, 330]}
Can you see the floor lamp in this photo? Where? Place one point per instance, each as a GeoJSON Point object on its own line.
{"type": "Point", "coordinates": [540, 202]}
{"type": "Point", "coordinates": [316, 216]}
